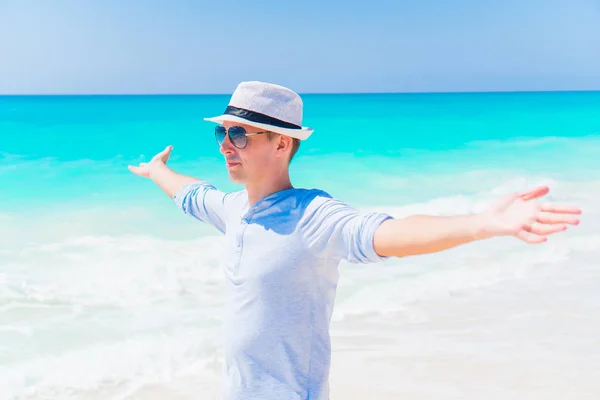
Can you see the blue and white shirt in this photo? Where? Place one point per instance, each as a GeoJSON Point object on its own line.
{"type": "Point", "coordinates": [281, 270]}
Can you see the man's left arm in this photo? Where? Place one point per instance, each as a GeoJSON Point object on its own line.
{"type": "Point", "coordinates": [514, 215]}
{"type": "Point", "coordinates": [424, 234]}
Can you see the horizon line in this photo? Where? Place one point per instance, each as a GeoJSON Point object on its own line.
{"type": "Point", "coordinates": [301, 93]}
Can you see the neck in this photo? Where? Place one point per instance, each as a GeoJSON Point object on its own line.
{"type": "Point", "coordinates": [267, 186]}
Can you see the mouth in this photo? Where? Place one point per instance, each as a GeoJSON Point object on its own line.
{"type": "Point", "coordinates": [231, 164]}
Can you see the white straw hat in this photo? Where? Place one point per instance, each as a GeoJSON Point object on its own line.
{"type": "Point", "coordinates": [266, 106]}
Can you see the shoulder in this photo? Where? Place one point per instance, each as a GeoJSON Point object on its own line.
{"type": "Point", "coordinates": [236, 199]}
{"type": "Point", "coordinates": [317, 198]}
{"type": "Point", "coordinates": [319, 207]}
{"type": "Point", "coordinates": [238, 194]}
{"type": "Point", "coordinates": [309, 199]}
{"type": "Point", "coordinates": [311, 194]}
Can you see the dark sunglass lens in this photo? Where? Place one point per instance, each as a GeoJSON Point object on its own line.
{"type": "Point", "coordinates": [220, 133]}
{"type": "Point", "coordinates": [237, 135]}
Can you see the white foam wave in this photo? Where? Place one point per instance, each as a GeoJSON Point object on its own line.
{"type": "Point", "coordinates": [400, 285]}
{"type": "Point", "coordinates": [118, 271]}
{"type": "Point", "coordinates": [113, 368]}
{"type": "Point", "coordinates": [124, 270]}
{"type": "Point", "coordinates": [593, 139]}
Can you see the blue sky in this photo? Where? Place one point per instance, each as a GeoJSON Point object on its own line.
{"type": "Point", "coordinates": [181, 46]}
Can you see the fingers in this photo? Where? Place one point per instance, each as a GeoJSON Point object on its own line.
{"type": "Point", "coordinates": [554, 208]}
{"type": "Point", "coordinates": [531, 237]}
{"type": "Point", "coordinates": [551, 218]}
{"type": "Point", "coordinates": [544, 229]}
{"type": "Point", "coordinates": [534, 193]}
{"type": "Point", "coordinates": [560, 209]}
{"type": "Point", "coordinates": [552, 213]}
{"type": "Point", "coordinates": [140, 171]}
{"type": "Point", "coordinates": [166, 153]}
{"type": "Point", "coordinates": [138, 167]}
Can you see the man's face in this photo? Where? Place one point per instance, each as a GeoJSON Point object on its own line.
{"type": "Point", "coordinates": [255, 161]}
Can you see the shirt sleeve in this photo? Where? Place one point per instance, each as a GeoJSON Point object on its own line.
{"type": "Point", "coordinates": [204, 202]}
{"type": "Point", "coordinates": [338, 230]}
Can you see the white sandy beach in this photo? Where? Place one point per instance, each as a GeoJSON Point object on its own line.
{"type": "Point", "coordinates": [531, 339]}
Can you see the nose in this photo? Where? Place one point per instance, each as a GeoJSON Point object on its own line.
{"type": "Point", "coordinates": [226, 147]}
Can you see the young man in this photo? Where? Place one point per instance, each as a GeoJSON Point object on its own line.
{"type": "Point", "coordinates": [284, 244]}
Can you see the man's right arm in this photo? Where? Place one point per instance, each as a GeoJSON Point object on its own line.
{"type": "Point", "coordinates": [193, 196]}
{"type": "Point", "coordinates": [168, 180]}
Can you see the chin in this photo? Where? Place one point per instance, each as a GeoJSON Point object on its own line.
{"type": "Point", "coordinates": [236, 178]}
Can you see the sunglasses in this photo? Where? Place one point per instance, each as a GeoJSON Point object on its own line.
{"type": "Point", "coordinates": [237, 135]}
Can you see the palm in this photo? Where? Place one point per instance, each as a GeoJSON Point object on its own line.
{"type": "Point", "coordinates": [518, 215]}
{"type": "Point", "coordinates": [144, 168]}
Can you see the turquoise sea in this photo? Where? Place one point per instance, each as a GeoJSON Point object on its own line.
{"type": "Point", "coordinates": [107, 291]}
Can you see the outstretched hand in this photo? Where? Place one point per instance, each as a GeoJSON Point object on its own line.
{"type": "Point", "coordinates": [144, 168]}
{"type": "Point", "coordinates": [518, 215]}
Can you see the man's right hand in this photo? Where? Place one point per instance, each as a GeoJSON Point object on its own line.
{"type": "Point", "coordinates": [168, 180]}
{"type": "Point", "coordinates": [144, 169]}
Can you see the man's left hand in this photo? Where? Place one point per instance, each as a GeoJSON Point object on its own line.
{"type": "Point", "coordinates": [520, 216]}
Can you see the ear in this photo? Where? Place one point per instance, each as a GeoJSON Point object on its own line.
{"type": "Point", "coordinates": [284, 143]}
